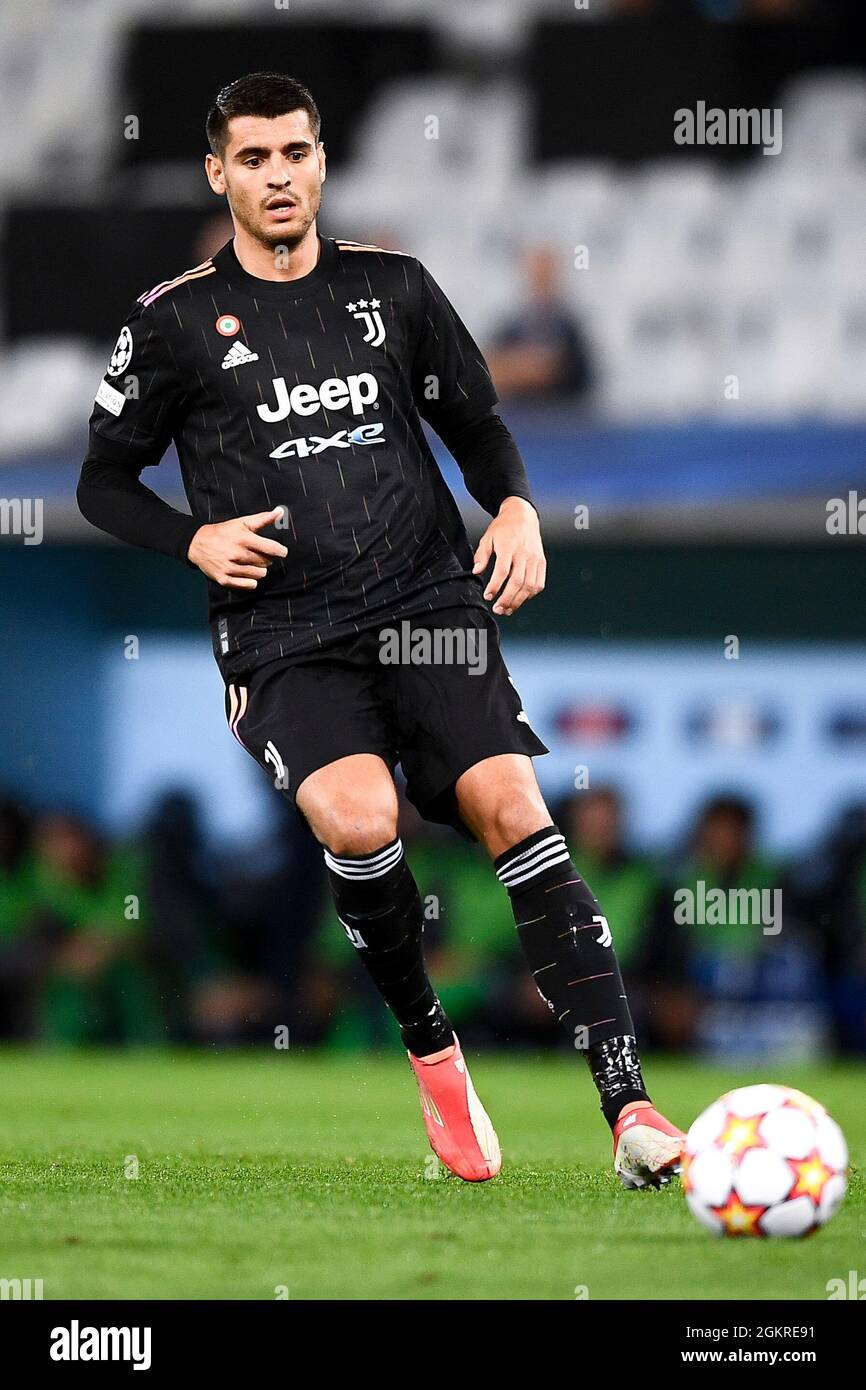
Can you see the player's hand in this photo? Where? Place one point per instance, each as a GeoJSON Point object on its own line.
{"type": "Point", "coordinates": [514, 537]}
{"type": "Point", "coordinates": [233, 554]}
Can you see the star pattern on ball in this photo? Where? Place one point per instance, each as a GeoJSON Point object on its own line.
{"type": "Point", "coordinates": [741, 1133]}
{"type": "Point", "coordinates": [738, 1219]}
{"type": "Point", "coordinates": [812, 1176]}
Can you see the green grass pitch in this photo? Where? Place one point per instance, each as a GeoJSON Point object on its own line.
{"type": "Point", "coordinates": [310, 1175]}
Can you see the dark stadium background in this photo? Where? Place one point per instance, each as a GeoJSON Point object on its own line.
{"type": "Point", "coordinates": [152, 887]}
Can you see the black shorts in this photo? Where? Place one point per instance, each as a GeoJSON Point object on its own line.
{"type": "Point", "coordinates": [435, 717]}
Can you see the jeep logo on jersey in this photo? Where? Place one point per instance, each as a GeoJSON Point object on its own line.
{"type": "Point", "coordinates": [356, 393]}
{"type": "Point", "coordinates": [317, 443]}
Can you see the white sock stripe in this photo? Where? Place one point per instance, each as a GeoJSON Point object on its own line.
{"type": "Point", "coordinates": [363, 873]}
{"type": "Point", "coordinates": [372, 867]}
{"type": "Point", "coordinates": [556, 839]}
{"type": "Point", "coordinates": [356, 861]}
{"type": "Point", "coordinates": [369, 873]}
{"type": "Point", "coordinates": [560, 858]}
{"type": "Point", "coordinates": [536, 855]}
{"type": "Point", "coordinates": [539, 844]}
{"type": "Point", "coordinates": [362, 865]}
{"type": "Point", "coordinates": [507, 875]}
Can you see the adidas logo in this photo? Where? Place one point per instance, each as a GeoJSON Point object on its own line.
{"type": "Point", "coordinates": [238, 354]}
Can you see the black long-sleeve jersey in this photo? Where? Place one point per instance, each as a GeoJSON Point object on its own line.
{"type": "Point", "coordinates": [305, 394]}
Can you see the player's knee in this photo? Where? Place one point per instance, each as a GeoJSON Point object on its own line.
{"type": "Point", "coordinates": [361, 831]}
{"type": "Point", "coordinates": [519, 812]}
{"type": "Point", "coordinates": [351, 808]}
{"type": "Point", "coordinates": [355, 820]}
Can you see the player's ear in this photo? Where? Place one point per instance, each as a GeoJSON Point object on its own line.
{"type": "Point", "coordinates": [215, 175]}
{"type": "Point", "coordinates": [322, 160]}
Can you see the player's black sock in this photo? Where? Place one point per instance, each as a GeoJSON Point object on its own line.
{"type": "Point", "coordinates": [568, 945]}
{"type": "Point", "coordinates": [378, 903]}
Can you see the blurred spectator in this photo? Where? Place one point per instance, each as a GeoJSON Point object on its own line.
{"type": "Point", "coordinates": [184, 920]}
{"type": "Point", "coordinates": [97, 988]}
{"type": "Point", "coordinates": [733, 976]}
{"type": "Point", "coordinates": [272, 903]}
{"type": "Point", "coordinates": [828, 890]}
{"type": "Point", "coordinates": [26, 936]}
{"type": "Point", "coordinates": [540, 351]}
{"type": "Point", "coordinates": [227, 935]}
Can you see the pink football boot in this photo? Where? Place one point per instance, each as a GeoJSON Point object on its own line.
{"type": "Point", "coordinates": [457, 1124]}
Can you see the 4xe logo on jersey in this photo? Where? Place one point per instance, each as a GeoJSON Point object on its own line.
{"type": "Point", "coordinates": [317, 443]}
{"type": "Point", "coordinates": [355, 394]}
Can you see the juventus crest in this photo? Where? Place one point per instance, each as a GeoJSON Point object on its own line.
{"type": "Point", "coordinates": [367, 313]}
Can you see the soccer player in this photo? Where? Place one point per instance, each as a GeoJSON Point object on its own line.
{"type": "Point", "coordinates": [292, 371]}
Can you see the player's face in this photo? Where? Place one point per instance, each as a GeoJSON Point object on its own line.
{"type": "Point", "coordinates": [272, 173]}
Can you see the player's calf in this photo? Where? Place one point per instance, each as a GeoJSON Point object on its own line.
{"type": "Point", "coordinates": [568, 944]}
{"type": "Point", "coordinates": [380, 909]}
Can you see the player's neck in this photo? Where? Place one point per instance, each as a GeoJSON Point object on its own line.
{"type": "Point", "coordinates": [282, 263]}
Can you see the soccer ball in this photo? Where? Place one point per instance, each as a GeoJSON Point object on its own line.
{"type": "Point", "coordinates": [764, 1161]}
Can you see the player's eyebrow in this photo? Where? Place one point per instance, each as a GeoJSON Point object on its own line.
{"type": "Point", "coordinates": [262, 151]}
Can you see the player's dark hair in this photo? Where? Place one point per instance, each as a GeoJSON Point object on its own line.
{"type": "Point", "coordinates": [267, 94]}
